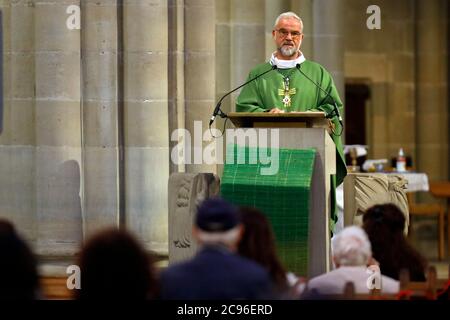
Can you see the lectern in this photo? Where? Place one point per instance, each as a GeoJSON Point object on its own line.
{"type": "Point", "coordinates": [296, 199]}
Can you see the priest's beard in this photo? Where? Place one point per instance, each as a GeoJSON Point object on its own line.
{"type": "Point", "coordinates": [287, 51]}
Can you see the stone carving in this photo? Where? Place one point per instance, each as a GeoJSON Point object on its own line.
{"type": "Point", "coordinates": [186, 191]}
{"type": "Point", "coordinates": [372, 189]}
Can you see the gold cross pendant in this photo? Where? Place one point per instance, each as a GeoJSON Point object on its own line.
{"type": "Point", "coordinates": [286, 93]}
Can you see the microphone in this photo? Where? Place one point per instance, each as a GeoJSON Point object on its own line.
{"type": "Point", "coordinates": [218, 111]}
{"type": "Point", "coordinates": [336, 109]}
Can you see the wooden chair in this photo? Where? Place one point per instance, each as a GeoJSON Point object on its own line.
{"type": "Point", "coordinates": [430, 210]}
{"type": "Point", "coordinates": [55, 288]}
{"type": "Point", "coordinates": [349, 293]}
{"type": "Point", "coordinates": [425, 290]}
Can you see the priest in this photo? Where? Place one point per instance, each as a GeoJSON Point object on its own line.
{"type": "Point", "coordinates": [296, 84]}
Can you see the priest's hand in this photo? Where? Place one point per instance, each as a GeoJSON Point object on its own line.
{"type": "Point", "coordinates": [276, 110]}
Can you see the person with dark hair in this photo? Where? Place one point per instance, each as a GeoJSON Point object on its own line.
{"type": "Point", "coordinates": [19, 278]}
{"type": "Point", "coordinates": [258, 244]}
{"type": "Point", "coordinates": [384, 225]}
{"type": "Point", "coordinates": [216, 272]}
{"type": "Point", "coordinates": [114, 266]}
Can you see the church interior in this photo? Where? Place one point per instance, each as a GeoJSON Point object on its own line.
{"type": "Point", "coordinates": [92, 92]}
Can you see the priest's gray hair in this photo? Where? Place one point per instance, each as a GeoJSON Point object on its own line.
{"type": "Point", "coordinates": [351, 247]}
{"type": "Point", "coordinates": [286, 15]}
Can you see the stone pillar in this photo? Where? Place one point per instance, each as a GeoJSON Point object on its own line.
{"type": "Point", "coordinates": [17, 152]}
{"type": "Point", "coordinates": [398, 113]}
{"type": "Point", "coordinates": [273, 8]}
{"type": "Point", "coordinates": [199, 72]}
{"type": "Point", "coordinates": [176, 74]}
{"type": "Point", "coordinates": [100, 114]}
{"type": "Point", "coordinates": [304, 9]}
{"type": "Point", "coordinates": [223, 54]}
{"type": "Point", "coordinates": [248, 38]}
{"type": "Point", "coordinates": [146, 120]}
{"type": "Point", "coordinates": [328, 39]}
{"type": "Point", "coordinates": [58, 131]}
{"type": "Point", "coordinates": [432, 103]}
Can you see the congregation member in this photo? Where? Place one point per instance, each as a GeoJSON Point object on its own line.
{"type": "Point", "coordinates": [19, 278]}
{"type": "Point", "coordinates": [114, 266]}
{"type": "Point", "coordinates": [258, 244]}
{"type": "Point", "coordinates": [351, 253]}
{"type": "Point", "coordinates": [384, 224]}
{"type": "Point", "coordinates": [216, 272]}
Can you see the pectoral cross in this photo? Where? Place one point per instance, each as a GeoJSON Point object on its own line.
{"type": "Point", "coordinates": [286, 93]}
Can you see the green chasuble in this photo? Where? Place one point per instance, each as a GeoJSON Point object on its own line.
{"type": "Point", "coordinates": [297, 94]}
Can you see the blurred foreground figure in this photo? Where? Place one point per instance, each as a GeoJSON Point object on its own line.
{"type": "Point", "coordinates": [114, 266]}
{"type": "Point", "coordinates": [18, 272]}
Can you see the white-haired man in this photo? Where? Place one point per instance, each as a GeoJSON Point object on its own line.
{"type": "Point", "coordinates": [351, 255]}
{"type": "Point", "coordinates": [297, 84]}
{"type": "Point", "coordinates": [216, 272]}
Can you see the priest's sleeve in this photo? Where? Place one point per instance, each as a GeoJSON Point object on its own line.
{"type": "Point", "coordinates": [249, 100]}
{"type": "Point", "coordinates": [325, 104]}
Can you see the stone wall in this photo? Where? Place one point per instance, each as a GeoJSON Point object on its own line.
{"type": "Point", "coordinates": [405, 66]}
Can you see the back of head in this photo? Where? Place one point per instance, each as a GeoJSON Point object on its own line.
{"type": "Point", "coordinates": [258, 241]}
{"type": "Point", "coordinates": [114, 266]}
{"type": "Point", "coordinates": [258, 244]}
{"type": "Point", "coordinates": [385, 218]}
{"type": "Point", "coordinates": [18, 268]}
{"type": "Point", "coordinates": [351, 247]}
{"type": "Point", "coordinates": [384, 225]}
{"type": "Point", "coordinates": [217, 222]}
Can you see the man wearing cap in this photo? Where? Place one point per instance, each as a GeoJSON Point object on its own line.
{"type": "Point", "coordinates": [216, 272]}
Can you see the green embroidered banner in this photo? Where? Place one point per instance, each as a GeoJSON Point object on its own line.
{"type": "Point", "coordinates": [283, 196]}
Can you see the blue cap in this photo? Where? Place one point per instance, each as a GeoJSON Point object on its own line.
{"type": "Point", "coordinates": [216, 215]}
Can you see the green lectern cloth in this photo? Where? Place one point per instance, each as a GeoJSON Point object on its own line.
{"type": "Point", "coordinates": [283, 197]}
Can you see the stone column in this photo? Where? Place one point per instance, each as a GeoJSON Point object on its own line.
{"type": "Point", "coordinates": [399, 110]}
{"type": "Point", "coordinates": [273, 8]}
{"type": "Point", "coordinates": [432, 103]}
{"type": "Point", "coordinates": [304, 9]}
{"type": "Point", "coordinates": [328, 39]}
{"type": "Point", "coordinates": [199, 75]}
{"type": "Point", "coordinates": [57, 131]}
{"type": "Point", "coordinates": [248, 38]}
{"type": "Point", "coordinates": [176, 75]}
{"type": "Point", "coordinates": [146, 120]}
{"type": "Point", "coordinates": [17, 152]}
{"type": "Point", "coordinates": [223, 53]}
{"type": "Point", "coordinates": [100, 113]}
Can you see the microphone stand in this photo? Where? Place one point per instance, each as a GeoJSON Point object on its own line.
{"type": "Point", "coordinates": [218, 111]}
{"type": "Point", "coordinates": [335, 111]}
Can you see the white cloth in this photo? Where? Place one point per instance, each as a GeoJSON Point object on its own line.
{"type": "Point", "coordinates": [416, 181]}
{"type": "Point", "coordinates": [286, 64]}
{"type": "Point", "coordinates": [295, 283]}
{"type": "Point", "coordinates": [339, 225]}
{"type": "Point", "coordinates": [361, 150]}
{"type": "Point", "coordinates": [334, 281]}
